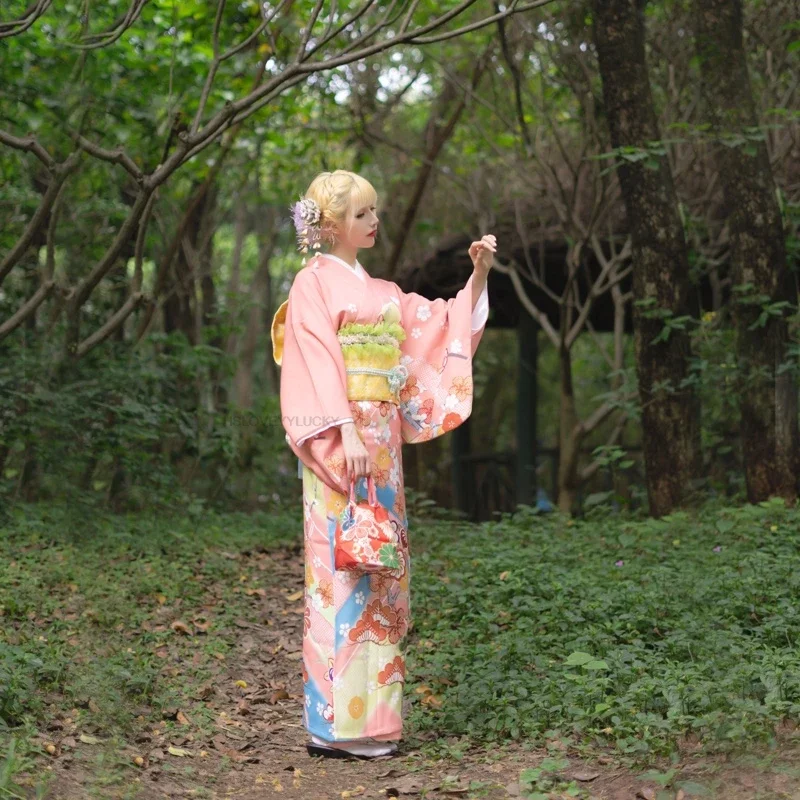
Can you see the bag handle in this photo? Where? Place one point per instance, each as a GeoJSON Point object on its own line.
{"type": "Point", "coordinates": [372, 497]}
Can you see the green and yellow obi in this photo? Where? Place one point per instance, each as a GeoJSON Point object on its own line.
{"type": "Point", "coordinates": [372, 360]}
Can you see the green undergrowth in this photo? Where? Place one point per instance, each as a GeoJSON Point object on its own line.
{"type": "Point", "coordinates": [609, 631]}
{"type": "Point", "coordinates": [92, 609]}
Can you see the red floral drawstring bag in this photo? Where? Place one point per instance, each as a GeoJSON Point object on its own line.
{"type": "Point", "coordinates": [368, 539]}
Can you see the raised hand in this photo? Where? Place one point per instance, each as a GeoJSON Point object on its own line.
{"type": "Point", "coordinates": [482, 253]}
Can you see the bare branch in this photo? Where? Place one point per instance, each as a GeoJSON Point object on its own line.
{"type": "Point", "coordinates": [513, 9]}
{"type": "Point", "coordinates": [111, 325]}
{"type": "Point", "coordinates": [330, 35]}
{"type": "Point", "coordinates": [39, 296]}
{"type": "Point", "coordinates": [537, 314]}
{"type": "Point", "coordinates": [407, 21]}
{"type": "Point", "coordinates": [306, 35]}
{"type": "Point", "coordinates": [30, 145]}
{"type": "Point", "coordinates": [138, 251]}
{"type": "Point", "coordinates": [331, 15]}
{"type": "Point", "coordinates": [250, 103]}
{"type": "Point", "coordinates": [255, 34]}
{"type": "Point", "coordinates": [60, 174]}
{"type": "Point", "coordinates": [594, 292]}
{"type": "Point", "coordinates": [212, 70]}
{"type": "Point", "coordinates": [81, 292]}
{"type": "Point", "coordinates": [116, 156]}
{"type": "Point", "coordinates": [50, 262]}
{"type": "Point", "coordinates": [602, 412]}
{"type": "Point", "coordinates": [17, 26]}
{"type": "Point", "coordinates": [385, 21]}
{"type": "Point", "coordinates": [114, 33]}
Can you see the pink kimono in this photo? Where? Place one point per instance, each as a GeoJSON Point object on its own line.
{"type": "Point", "coordinates": [355, 624]}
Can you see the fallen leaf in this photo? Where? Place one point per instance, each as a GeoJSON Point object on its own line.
{"type": "Point", "coordinates": [280, 694]}
{"type": "Point", "coordinates": [296, 596]}
{"type": "Point", "coordinates": [503, 575]}
{"type": "Point", "coordinates": [432, 700]}
{"type": "Point", "coordinates": [357, 792]}
{"type": "Point", "coordinates": [586, 775]}
{"type": "Point", "coordinates": [181, 627]}
{"type": "Point", "coordinates": [237, 757]}
{"type": "Point", "coordinates": [392, 773]}
{"type": "Point", "coordinates": [646, 794]}
{"type": "Point", "coordinates": [409, 784]}
{"type": "Point", "coordinates": [182, 718]}
{"type": "Point", "coordinates": [89, 739]}
{"type": "Point", "coordinates": [681, 795]}
{"type": "Point", "coordinates": [180, 752]}
{"type": "Point", "coordinates": [259, 592]}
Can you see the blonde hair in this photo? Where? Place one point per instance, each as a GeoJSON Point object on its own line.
{"type": "Point", "coordinates": [336, 193]}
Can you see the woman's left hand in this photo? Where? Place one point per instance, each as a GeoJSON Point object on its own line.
{"type": "Point", "coordinates": [482, 253]}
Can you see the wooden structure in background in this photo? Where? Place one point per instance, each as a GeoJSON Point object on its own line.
{"type": "Point", "coordinates": [486, 483]}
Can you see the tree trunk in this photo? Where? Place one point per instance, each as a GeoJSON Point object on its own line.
{"type": "Point", "coordinates": [670, 411]}
{"type": "Point", "coordinates": [569, 437]}
{"type": "Point", "coordinates": [768, 402]}
{"type": "Point", "coordinates": [260, 290]}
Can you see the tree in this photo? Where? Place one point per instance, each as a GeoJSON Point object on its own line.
{"type": "Point", "coordinates": [670, 413]}
{"type": "Point", "coordinates": [765, 289]}
{"type": "Point", "coordinates": [322, 41]}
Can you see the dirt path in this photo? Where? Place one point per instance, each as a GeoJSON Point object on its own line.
{"type": "Point", "coordinates": [246, 741]}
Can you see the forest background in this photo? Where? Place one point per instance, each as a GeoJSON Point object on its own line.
{"type": "Point", "coordinates": [149, 157]}
{"type": "Point", "coordinates": [638, 162]}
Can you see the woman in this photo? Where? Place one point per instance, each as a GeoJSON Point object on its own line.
{"type": "Point", "coordinates": [365, 368]}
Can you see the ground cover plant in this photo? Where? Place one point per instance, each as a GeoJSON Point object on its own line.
{"type": "Point", "coordinates": [633, 633]}
{"type": "Point", "coordinates": [146, 656]}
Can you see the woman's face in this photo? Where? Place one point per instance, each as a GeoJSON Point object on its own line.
{"type": "Point", "coordinates": [360, 228]}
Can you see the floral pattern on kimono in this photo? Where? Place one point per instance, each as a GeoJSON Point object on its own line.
{"type": "Point", "coordinates": [355, 624]}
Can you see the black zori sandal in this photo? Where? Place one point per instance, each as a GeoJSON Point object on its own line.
{"type": "Point", "coordinates": [335, 752]}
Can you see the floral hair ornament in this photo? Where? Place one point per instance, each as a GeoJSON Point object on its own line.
{"type": "Point", "coordinates": [306, 215]}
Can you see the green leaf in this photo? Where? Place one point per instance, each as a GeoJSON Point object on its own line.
{"type": "Point", "coordinates": [578, 659]}
{"type": "Point", "coordinates": [690, 787]}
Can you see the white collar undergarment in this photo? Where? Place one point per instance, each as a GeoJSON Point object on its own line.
{"type": "Point", "coordinates": [358, 269]}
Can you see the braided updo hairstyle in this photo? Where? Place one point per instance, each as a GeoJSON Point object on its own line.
{"type": "Point", "coordinates": [336, 193]}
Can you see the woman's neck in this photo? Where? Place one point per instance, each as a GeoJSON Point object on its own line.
{"type": "Point", "coordinates": [346, 253]}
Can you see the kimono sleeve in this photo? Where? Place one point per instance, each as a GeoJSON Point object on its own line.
{"type": "Point", "coordinates": [313, 389]}
{"type": "Point", "coordinates": [441, 339]}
